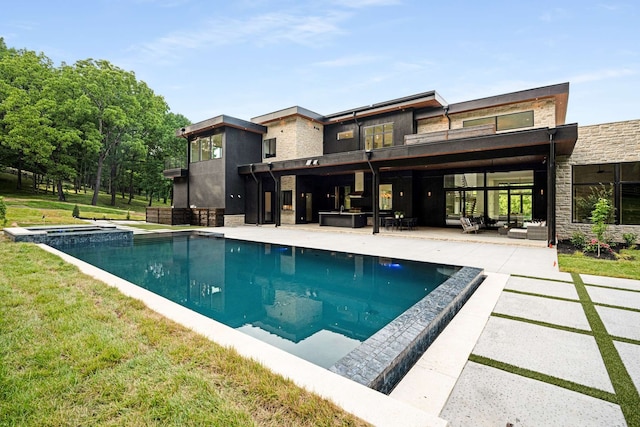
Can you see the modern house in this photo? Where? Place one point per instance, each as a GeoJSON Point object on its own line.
{"type": "Point", "coordinates": [503, 161]}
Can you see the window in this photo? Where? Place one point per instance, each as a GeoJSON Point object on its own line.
{"type": "Point", "coordinates": [378, 136]}
{"type": "Point", "coordinates": [287, 200]}
{"type": "Point", "coordinates": [347, 134]}
{"type": "Point", "coordinates": [386, 197]}
{"type": "Point", "coordinates": [504, 122]}
{"type": "Point", "coordinates": [618, 182]}
{"type": "Point", "coordinates": [195, 150]}
{"type": "Point", "coordinates": [206, 148]}
{"type": "Point", "coordinates": [216, 146]}
{"type": "Point", "coordinates": [269, 148]}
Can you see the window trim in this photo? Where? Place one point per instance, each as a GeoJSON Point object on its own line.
{"type": "Point", "coordinates": [384, 134]}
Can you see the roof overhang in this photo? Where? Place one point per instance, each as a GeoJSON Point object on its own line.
{"type": "Point", "coordinates": [560, 93]}
{"type": "Point", "coordinates": [429, 99]}
{"type": "Point", "coordinates": [218, 122]}
{"type": "Point", "coordinates": [522, 147]}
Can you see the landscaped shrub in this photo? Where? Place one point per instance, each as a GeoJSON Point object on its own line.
{"type": "Point", "coordinates": [76, 212]}
{"type": "Point", "coordinates": [3, 212]}
{"type": "Point", "coordinates": [601, 216]}
{"type": "Point", "coordinates": [630, 239]}
{"type": "Point", "coordinates": [596, 246]}
{"type": "Point", "coordinates": [579, 240]}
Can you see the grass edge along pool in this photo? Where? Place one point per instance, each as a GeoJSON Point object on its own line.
{"type": "Point", "coordinates": [384, 358]}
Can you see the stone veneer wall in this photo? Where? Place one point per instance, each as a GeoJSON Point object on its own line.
{"type": "Point", "coordinates": [288, 183]}
{"type": "Point", "coordinates": [544, 115]}
{"type": "Point", "coordinates": [602, 143]}
{"type": "Point", "coordinates": [234, 220]}
{"type": "Point", "coordinates": [296, 137]}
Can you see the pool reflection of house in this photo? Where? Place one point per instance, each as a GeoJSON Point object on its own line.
{"type": "Point", "coordinates": [506, 159]}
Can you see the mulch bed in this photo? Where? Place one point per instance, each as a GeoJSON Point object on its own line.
{"type": "Point", "coordinates": [566, 247]}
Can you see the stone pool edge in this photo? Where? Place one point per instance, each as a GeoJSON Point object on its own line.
{"type": "Point", "coordinates": [383, 360]}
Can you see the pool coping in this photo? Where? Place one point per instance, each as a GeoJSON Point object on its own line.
{"type": "Point", "coordinates": [68, 234]}
{"type": "Point", "coordinates": [364, 402]}
{"type": "Point", "coordinates": [384, 359]}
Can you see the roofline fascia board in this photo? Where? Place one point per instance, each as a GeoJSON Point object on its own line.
{"type": "Point", "coordinates": [220, 121]}
{"type": "Point", "coordinates": [565, 139]}
{"type": "Point", "coordinates": [288, 112]}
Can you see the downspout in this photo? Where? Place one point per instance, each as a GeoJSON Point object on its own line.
{"type": "Point", "coordinates": [446, 114]}
{"type": "Point", "coordinates": [277, 195]}
{"type": "Point", "coordinates": [186, 137]}
{"type": "Point", "coordinates": [355, 120]}
{"type": "Point", "coordinates": [374, 194]}
{"type": "Point", "coordinates": [255, 178]}
{"type": "Point", "coordinates": [551, 190]}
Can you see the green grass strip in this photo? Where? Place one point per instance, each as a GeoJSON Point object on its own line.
{"type": "Point", "coordinates": [628, 397]}
{"type": "Point", "coordinates": [527, 373]}
{"type": "Point", "coordinates": [540, 323]}
{"type": "Point", "coordinates": [616, 307]}
{"type": "Point", "coordinates": [533, 294]}
{"type": "Point", "coordinates": [613, 288]}
{"type": "Point", "coordinates": [541, 278]}
{"type": "Point", "coordinates": [626, 340]}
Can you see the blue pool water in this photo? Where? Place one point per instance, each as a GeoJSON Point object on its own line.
{"type": "Point", "coordinates": [318, 305]}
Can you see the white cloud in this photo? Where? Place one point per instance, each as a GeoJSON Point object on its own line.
{"type": "Point", "coordinates": [271, 28]}
{"type": "Point", "coordinates": [600, 75]}
{"type": "Point", "coordinates": [348, 61]}
{"type": "Point", "coordinates": [358, 4]}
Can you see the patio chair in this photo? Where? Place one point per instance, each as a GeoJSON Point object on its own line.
{"type": "Point", "coordinates": [467, 226]}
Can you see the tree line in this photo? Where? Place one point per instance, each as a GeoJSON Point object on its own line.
{"type": "Point", "coordinates": [90, 124]}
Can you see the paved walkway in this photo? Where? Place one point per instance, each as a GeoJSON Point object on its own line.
{"type": "Point", "coordinates": [526, 349]}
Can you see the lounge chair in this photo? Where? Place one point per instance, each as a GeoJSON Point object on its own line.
{"type": "Point", "coordinates": [467, 226]}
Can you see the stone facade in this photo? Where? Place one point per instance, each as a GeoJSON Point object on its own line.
{"type": "Point", "coordinates": [288, 183]}
{"type": "Point", "coordinates": [296, 137]}
{"type": "Point", "coordinates": [602, 143]}
{"type": "Point", "coordinates": [234, 220]}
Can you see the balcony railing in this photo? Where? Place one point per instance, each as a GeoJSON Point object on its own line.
{"type": "Point", "coordinates": [445, 135]}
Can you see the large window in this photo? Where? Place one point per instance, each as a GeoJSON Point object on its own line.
{"type": "Point", "coordinates": [206, 148]}
{"type": "Point", "coordinates": [498, 197]}
{"type": "Point", "coordinates": [378, 136]}
{"type": "Point", "coordinates": [617, 182]}
{"type": "Point", "coordinates": [269, 148]}
{"type": "Point", "coordinates": [504, 122]}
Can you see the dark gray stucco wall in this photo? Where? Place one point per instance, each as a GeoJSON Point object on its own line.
{"type": "Point", "coordinates": [207, 183]}
{"type": "Point", "coordinates": [180, 192]}
{"type": "Point", "coordinates": [241, 148]}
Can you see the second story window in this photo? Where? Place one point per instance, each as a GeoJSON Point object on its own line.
{"type": "Point", "coordinates": [378, 136]}
{"type": "Point", "coordinates": [269, 148]}
{"type": "Point", "coordinates": [505, 122]}
{"type": "Point", "coordinates": [206, 148]}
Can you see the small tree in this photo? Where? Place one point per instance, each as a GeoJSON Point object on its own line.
{"type": "Point", "coordinates": [3, 212]}
{"type": "Point", "coordinates": [76, 212]}
{"type": "Point", "coordinates": [600, 218]}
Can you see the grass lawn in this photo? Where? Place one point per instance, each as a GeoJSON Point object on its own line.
{"type": "Point", "coordinates": [626, 266]}
{"type": "Point", "coordinates": [74, 351]}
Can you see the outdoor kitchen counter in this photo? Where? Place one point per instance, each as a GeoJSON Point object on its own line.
{"type": "Point", "coordinates": [344, 219]}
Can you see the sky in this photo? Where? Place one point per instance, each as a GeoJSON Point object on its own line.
{"type": "Point", "coordinates": [246, 58]}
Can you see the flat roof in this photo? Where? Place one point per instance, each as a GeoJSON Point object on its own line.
{"type": "Point", "coordinates": [220, 121]}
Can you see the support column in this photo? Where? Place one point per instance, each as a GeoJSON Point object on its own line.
{"type": "Point", "coordinates": [551, 190]}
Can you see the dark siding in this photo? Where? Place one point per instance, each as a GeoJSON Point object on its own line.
{"type": "Point", "coordinates": [241, 148]}
{"type": "Point", "coordinates": [403, 124]}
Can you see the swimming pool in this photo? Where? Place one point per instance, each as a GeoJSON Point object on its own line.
{"type": "Point", "coordinates": [318, 305]}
